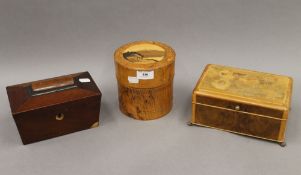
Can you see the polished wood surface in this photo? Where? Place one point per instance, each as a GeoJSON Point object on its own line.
{"type": "Point", "coordinates": [241, 84]}
{"type": "Point", "coordinates": [56, 113]}
{"type": "Point", "coordinates": [151, 98]}
{"type": "Point", "coordinates": [52, 83]}
{"type": "Point", "coordinates": [249, 124]}
{"type": "Point", "coordinates": [44, 123]}
{"type": "Point", "coordinates": [242, 101]}
{"type": "Point", "coordinates": [243, 107]}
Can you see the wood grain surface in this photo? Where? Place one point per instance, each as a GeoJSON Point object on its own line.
{"type": "Point", "coordinates": [149, 98]}
{"type": "Point", "coordinates": [243, 101]}
{"type": "Point", "coordinates": [144, 103]}
{"type": "Point", "coordinates": [248, 124]}
{"type": "Point", "coordinates": [57, 113]}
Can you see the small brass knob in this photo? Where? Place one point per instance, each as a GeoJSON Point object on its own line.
{"type": "Point", "coordinates": [237, 107]}
{"type": "Point", "coordinates": [59, 117]}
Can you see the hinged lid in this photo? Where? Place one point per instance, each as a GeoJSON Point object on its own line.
{"type": "Point", "coordinates": [48, 92]}
{"type": "Point", "coordinates": [257, 88]}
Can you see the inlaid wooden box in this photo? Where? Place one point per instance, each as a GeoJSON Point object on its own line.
{"type": "Point", "coordinates": [242, 101]}
{"type": "Point", "coordinates": [145, 73]}
{"type": "Point", "coordinates": [54, 107]}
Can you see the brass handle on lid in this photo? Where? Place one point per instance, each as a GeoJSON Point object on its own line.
{"type": "Point", "coordinates": [59, 116]}
{"type": "Point", "coordinates": [237, 108]}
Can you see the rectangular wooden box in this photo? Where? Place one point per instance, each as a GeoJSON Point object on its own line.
{"type": "Point", "coordinates": [242, 101]}
{"type": "Point", "coordinates": [54, 107]}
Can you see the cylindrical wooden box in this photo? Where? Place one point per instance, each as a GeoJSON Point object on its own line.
{"type": "Point", "coordinates": [145, 72]}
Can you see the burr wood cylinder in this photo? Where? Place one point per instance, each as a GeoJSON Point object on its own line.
{"type": "Point", "coordinates": [145, 72]}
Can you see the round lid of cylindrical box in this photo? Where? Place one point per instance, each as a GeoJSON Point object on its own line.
{"type": "Point", "coordinates": [144, 64]}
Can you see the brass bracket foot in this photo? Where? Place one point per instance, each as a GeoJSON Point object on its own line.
{"type": "Point", "coordinates": [282, 144]}
{"type": "Point", "coordinates": [189, 124]}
